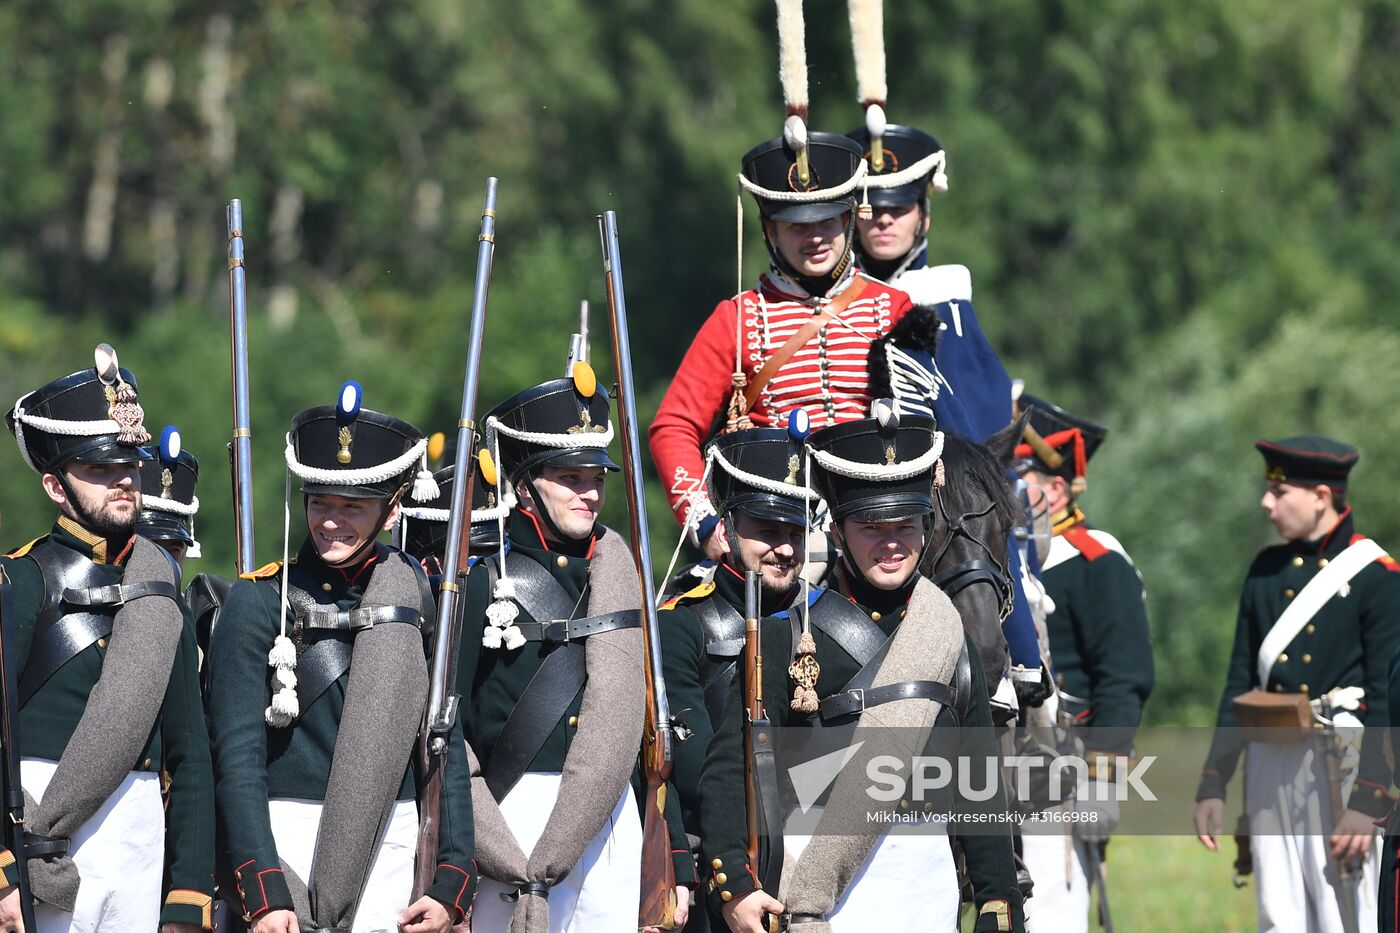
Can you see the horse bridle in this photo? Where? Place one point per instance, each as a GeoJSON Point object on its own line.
{"type": "Point", "coordinates": [959, 577]}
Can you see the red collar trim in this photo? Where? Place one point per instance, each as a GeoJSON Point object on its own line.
{"type": "Point", "coordinates": [1327, 538]}
{"type": "Point", "coordinates": [350, 575]}
{"type": "Point", "coordinates": [544, 541]}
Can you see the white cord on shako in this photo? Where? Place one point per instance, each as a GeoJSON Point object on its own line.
{"type": "Point", "coordinates": [55, 426]}
{"type": "Point", "coordinates": [283, 656]}
{"type": "Point", "coordinates": [882, 472]}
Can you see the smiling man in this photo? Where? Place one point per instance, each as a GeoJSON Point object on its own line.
{"type": "Point", "coordinates": [314, 740]}
{"type": "Point", "coordinates": [108, 695]}
{"type": "Point", "coordinates": [884, 651]}
{"type": "Point", "coordinates": [798, 339]}
{"type": "Point", "coordinates": [1319, 621]}
{"type": "Point", "coordinates": [757, 487]}
{"type": "Point", "coordinates": [552, 671]}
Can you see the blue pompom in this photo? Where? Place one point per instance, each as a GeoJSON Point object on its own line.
{"type": "Point", "coordinates": [170, 446]}
{"type": "Point", "coordinates": [799, 424]}
{"type": "Point", "coordinates": [347, 404]}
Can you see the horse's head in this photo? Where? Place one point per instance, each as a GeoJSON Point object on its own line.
{"type": "Point", "coordinates": [975, 510]}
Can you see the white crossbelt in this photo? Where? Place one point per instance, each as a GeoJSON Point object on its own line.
{"type": "Point", "coordinates": [1311, 598]}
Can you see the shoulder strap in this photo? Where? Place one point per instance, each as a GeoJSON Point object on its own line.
{"type": "Point", "coordinates": [534, 716]}
{"type": "Point", "coordinates": [804, 333]}
{"type": "Point", "coordinates": [1085, 543]}
{"type": "Point", "coordinates": [846, 625]}
{"type": "Point", "coordinates": [1313, 597]}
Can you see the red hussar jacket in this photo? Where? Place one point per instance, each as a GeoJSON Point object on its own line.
{"type": "Point", "coordinates": [827, 376]}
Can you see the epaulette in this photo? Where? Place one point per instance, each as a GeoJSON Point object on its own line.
{"type": "Point", "coordinates": [1388, 563]}
{"type": "Point", "coordinates": [696, 593]}
{"type": "Point", "coordinates": [20, 552]}
{"type": "Point", "coordinates": [265, 572]}
{"type": "Point", "coordinates": [1084, 543]}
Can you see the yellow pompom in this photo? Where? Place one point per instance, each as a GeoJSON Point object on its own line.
{"type": "Point", "coordinates": [584, 380]}
{"type": "Point", "coordinates": [488, 466]}
{"type": "Point", "coordinates": [436, 444]}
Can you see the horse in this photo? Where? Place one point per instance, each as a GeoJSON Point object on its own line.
{"type": "Point", "coordinates": [975, 510]}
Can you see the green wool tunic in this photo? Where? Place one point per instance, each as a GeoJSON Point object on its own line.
{"type": "Point", "coordinates": [1349, 642]}
{"type": "Point", "coordinates": [255, 762]}
{"type": "Point", "coordinates": [178, 747]}
{"type": "Point", "coordinates": [492, 681]}
{"type": "Point", "coordinates": [1100, 645]}
{"type": "Point", "coordinates": [689, 671]}
{"type": "Point", "coordinates": [990, 864]}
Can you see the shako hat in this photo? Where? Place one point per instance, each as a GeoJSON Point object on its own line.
{"type": "Point", "coordinates": [168, 502]}
{"type": "Point", "coordinates": [910, 162]}
{"type": "Point", "coordinates": [880, 469]}
{"type": "Point", "coordinates": [348, 450]}
{"type": "Point", "coordinates": [775, 172]}
{"type": "Point", "coordinates": [758, 471]}
{"type": "Point", "coordinates": [902, 162]}
{"type": "Point", "coordinates": [563, 422]}
{"type": "Point", "coordinates": [1308, 460]}
{"type": "Point", "coordinates": [425, 524]}
{"type": "Point", "coordinates": [1057, 443]}
{"type": "Point", "coordinates": [90, 416]}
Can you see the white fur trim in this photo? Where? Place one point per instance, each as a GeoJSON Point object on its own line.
{"type": "Point", "coordinates": [792, 53]}
{"type": "Point", "coordinates": [868, 45]}
{"type": "Point", "coordinates": [934, 285]}
{"type": "Point", "coordinates": [881, 472]}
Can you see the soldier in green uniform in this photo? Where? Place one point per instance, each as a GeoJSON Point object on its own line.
{"type": "Point", "coordinates": [168, 502]}
{"type": "Point", "coordinates": [1100, 647]}
{"type": "Point", "coordinates": [762, 506]}
{"type": "Point", "coordinates": [108, 687]}
{"type": "Point", "coordinates": [552, 671]}
{"type": "Point", "coordinates": [1319, 619]}
{"type": "Point", "coordinates": [885, 650]}
{"type": "Point", "coordinates": [314, 740]}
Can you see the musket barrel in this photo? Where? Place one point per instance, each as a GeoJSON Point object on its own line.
{"type": "Point", "coordinates": [632, 462]}
{"type": "Point", "coordinates": [442, 697]}
{"type": "Point", "coordinates": [242, 409]}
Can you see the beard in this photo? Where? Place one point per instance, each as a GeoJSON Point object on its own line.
{"type": "Point", "coordinates": [105, 516]}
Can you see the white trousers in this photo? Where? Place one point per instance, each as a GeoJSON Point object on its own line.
{"type": "Point", "coordinates": [1290, 819]}
{"type": "Point", "coordinates": [120, 854]}
{"type": "Point", "coordinates": [1059, 866]}
{"type": "Point", "coordinates": [909, 882]}
{"type": "Point", "coordinates": [604, 891]}
{"type": "Point", "coordinates": [390, 884]}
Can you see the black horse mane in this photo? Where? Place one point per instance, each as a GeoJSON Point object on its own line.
{"type": "Point", "coordinates": [971, 473]}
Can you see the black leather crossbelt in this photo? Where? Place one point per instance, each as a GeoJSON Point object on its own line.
{"type": "Point", "coordinates": [858, 699]}
{"type": "Point", "coordinates": [566, 630]}
{"type": "Point", "coordinates": [118, 594]}
{"type": "Point", "coordinates": [353, 620]}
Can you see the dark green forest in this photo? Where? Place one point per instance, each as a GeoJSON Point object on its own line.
{"type": "Point", "coordinates": [1182, 221]}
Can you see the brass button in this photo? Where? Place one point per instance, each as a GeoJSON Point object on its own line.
{"type": "Point", "coordinates": [146, 763]}
{"type": "Point", "coordinates": [573, 722]}
{"type": "Point", "coordinates": [327, 587]}
{"type": "Point", "coordinates": [1322, 562]}
{"type": "Point", "coordinates": [1278, 688]}
{"type": "Point", "coordinates": [726, 896]}
{"type": "Point", "coordinates": [928, 808]}
{"type": "Point", "coordinates": [904, 805]}
{"type": "Point", "coordinates": [717, 863]}
{"type": "Point", "coordinates": [903, 613]}
{"type": "Point", "coordinates": [102, 643]}
{"type": "Point", "coordinates": [1297, 562]}
{"type": "Point", "coordinates": [1283, 659]}
{"type": "Point", "coordinates": [238, 876]}
{"type": "Point", "coordinates": [562, 561]}
{"type": "Point", "coordinates": [1310, 629]}
{"type": "Point", "coordinates": [875, 617]}
{"type": "Point", "coordinates": [1307, 659]}
{"type": "Point", "coordinates": [1303, 688]}
{"type": "Point", "coordinates": [1288, 593]}
{"type": "Point", "coordinates": [721, 878]}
